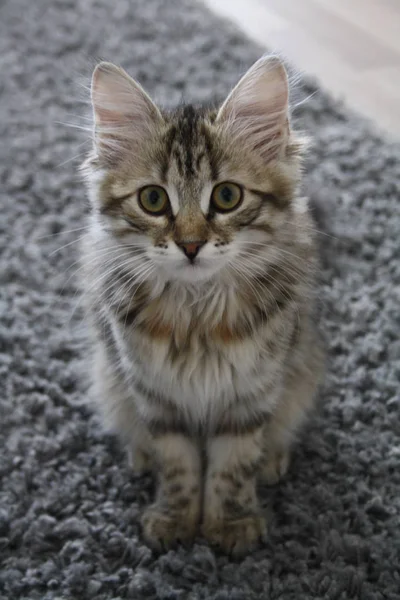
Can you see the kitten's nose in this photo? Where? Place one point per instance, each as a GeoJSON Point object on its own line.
{"type": "Point", "coordinates": [191, 249]}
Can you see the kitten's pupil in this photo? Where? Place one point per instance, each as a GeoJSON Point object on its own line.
{"type": "Point", "coordinates": [226, 194]}
{"type": "Point", "coordinates": [154, 197]}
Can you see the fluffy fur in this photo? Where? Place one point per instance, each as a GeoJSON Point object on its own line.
{"type": "Point", "coordinates": [206, 367]}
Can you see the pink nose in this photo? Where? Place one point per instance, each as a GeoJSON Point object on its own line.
{"type": "Point", "coordinates": [191, 249]}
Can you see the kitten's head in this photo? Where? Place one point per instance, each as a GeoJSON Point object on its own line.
{"type": "Point", "coordinates": [192, 190]}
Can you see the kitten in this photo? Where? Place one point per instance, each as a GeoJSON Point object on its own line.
{"type": "Point", "coordinates": [199, 274]}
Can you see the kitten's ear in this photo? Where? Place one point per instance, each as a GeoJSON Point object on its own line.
{"type": "Point", "coordinates": [255, 113]}
{"type": "Point", "coordinates": [124, 114]}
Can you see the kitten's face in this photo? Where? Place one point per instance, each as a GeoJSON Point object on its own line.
{"type": "Point", "coordinates": [194, 194]}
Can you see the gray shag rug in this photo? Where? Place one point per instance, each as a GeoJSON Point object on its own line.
{"type": "Point", "coordinates": [69, 506]}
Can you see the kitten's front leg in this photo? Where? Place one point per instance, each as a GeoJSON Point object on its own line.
{"type": "Point", "coordinates": [232, 516]}
{"type": "Point", "coordinates": [175, 514]}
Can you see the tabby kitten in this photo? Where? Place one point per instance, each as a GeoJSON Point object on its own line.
{"type": "Point", "coordinates": [199, 269]}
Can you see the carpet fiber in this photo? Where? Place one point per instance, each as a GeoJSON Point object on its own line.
{"type": "Point", "coordinates": [70, 507]}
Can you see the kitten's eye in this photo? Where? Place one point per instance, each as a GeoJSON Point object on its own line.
{"type": "Point", "coordinates": [226, 196]}
{"type": "Point", "coordinates": [153, 199]}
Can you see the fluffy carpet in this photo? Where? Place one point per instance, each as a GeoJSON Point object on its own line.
{"type": "Point", "coordinates": [70, 507]}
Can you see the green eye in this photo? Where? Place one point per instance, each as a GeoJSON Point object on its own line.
{"type": "Point", "coordinates": [226, 196]}
{"type": "Point", "coordinates": [153, 199]}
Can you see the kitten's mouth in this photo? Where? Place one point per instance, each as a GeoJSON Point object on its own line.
{"type": "Point", "coordinates": [194, 260]}
{"type": "Point", "coordinates": [192, 263]}
{"type": "Point", "coordinates": [196, 270]}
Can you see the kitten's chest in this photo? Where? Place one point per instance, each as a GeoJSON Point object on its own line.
{"type": "Point", "coordinates": [193, 337]}
{"type": "Point", "coordinates": [201, 362]}
{"type": "Point", "coordinates": [203, 370]}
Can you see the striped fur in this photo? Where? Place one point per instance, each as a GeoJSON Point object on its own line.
{"type": "Point", "coordinates": [207, 367]}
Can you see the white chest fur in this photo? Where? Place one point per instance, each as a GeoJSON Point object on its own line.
{"type": "Point", "coordinates": [205, 378]}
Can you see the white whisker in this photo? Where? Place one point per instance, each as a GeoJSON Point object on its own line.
{"type": "Point", "coordinates": [42, 237]}
{"type": "Point", "coordinates": [137, 272]}
{"type": "Point", "coordinates": [74, 126]}
{"type": "Point", "coordinates": [235, 267]}
{"type": "Point", "coordinates": [79, 155]}
{"type": "Point", "coordinates": [76, 241]}
{"type": "Point", "coordinates": [101, 278]}
{"type": "Point", "coordinates": [149, 271]}
{"type": "Point", "coordinates": [282, 290]}
{"type": "Point", "coordinates": [104, 255]}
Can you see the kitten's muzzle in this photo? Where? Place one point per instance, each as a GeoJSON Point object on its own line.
{"type": "Point", "coordinates": [191, 249]}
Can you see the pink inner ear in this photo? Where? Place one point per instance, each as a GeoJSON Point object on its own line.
{"type": "Point", "coordinates": [124, 113]}
{"type": "Point", "coordinates": [109, 117]}
{"type": "Point", "coordinates": [255, 114]}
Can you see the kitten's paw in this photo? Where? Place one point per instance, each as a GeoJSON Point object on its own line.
{"type": "Point", "coordinates": [275, 467]}
{"type": "Point", "coordinates": [236, 536]}
{"type": "Point", "coordinates": [163, 531]}
{"type": "Point", "coordinates": [139, 461]}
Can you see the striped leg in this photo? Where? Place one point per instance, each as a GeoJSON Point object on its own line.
{"type": "Point", "coordinates": [232, 518]}
{"type": "Point", "coordinates": [175, 514]}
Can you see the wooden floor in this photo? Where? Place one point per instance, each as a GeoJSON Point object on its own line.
{"type": "Point", "coordinates": [352, 46]}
